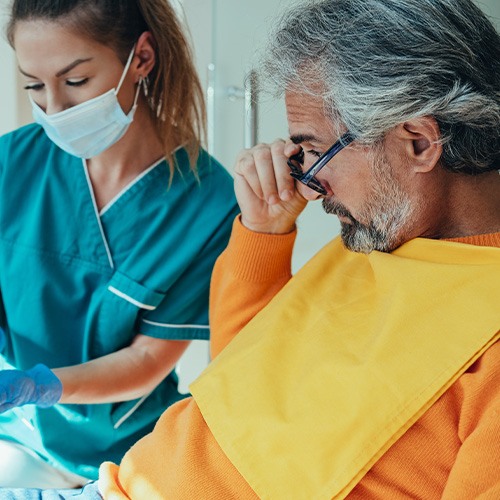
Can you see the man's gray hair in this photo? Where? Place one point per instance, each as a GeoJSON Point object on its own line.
{"type": "Point", "coordinates": [377, 63]}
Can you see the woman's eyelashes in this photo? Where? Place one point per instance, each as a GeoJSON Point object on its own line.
{"type": "Point", "coordinates": [77, 83]}
{"type": "Point", "coordinates": [34, 86]}
{"type": "Point", "coordinates": [71, 83]}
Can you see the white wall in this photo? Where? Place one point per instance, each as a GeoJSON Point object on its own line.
{"type": "Point", "coordinates": [14, 108]}
{"type": "Point", "coordinates": [8, 82]}
{"type": "Point", "coordinates": [492, 9]}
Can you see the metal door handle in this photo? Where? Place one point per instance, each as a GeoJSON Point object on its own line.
{"type": "Point", "coordinates": [251, 110]}
{"type": "Point", "coordinates": [250, 95]}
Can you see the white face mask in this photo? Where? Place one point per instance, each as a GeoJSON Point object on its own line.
{"type": "Point", "coordinates": [89, 128]}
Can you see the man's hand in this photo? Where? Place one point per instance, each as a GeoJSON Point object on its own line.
{"type": "Point", "coordinates": [265, 191]}
{"type": "Point", "coordinates": [38, 386]}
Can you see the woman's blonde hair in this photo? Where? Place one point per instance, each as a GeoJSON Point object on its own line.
{"type": "Point", "coordinates": [174, 92]}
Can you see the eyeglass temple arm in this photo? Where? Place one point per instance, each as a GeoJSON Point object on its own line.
{"type": "Point", "coordinates": [344, 141]}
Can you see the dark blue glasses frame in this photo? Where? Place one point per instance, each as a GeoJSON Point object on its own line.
{"type": "Point", "coordinates": [308, 178]}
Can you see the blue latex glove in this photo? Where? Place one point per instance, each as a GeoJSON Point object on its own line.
{"type": "Point", "coordinates": [88, 492]}
{"type": "Point", "coordinates": [39, 386]}
{"type": "Point", "coordinates": [2, 340]}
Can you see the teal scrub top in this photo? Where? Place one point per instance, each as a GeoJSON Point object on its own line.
{"type": "Point", "coordinates": [77, 284]}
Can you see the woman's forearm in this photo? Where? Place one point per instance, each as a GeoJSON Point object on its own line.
{"type": "Point", "coordinates": [124, 375]}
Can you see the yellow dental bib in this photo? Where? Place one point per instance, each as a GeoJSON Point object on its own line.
{"type": "Point", "coordinates": [353, 350]}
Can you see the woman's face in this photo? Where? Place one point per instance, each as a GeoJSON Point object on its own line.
{"type": "Point", "coordinates": [62, 68]}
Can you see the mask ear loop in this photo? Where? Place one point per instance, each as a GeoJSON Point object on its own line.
{"type": "Point", "coordinates": [125, 70]}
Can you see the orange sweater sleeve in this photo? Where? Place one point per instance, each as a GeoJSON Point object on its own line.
{"type": "Point", "coordinates": [179, 460]}
{"type": "Point", "coordinates": [476, 470]}
{"type": "Point", "coordinates": [248, 274]}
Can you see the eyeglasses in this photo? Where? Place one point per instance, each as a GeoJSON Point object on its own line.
{"type": "Point", "coordinates": [308, 178]}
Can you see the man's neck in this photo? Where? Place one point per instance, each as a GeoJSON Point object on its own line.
{"type": "Point", "coordinates": [470, 206]}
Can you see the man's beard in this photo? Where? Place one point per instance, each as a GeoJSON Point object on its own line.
{"type": "Point", "coordinates": [388, 211]}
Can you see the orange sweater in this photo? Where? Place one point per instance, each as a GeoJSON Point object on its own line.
{"type": "Point", "coordinates": [451, 452]}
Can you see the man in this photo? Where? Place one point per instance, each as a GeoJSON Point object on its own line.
{"type": "Point", "coordinates": [374, 372]}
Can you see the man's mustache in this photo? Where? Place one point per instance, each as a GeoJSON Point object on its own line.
{"type": "Point", "coordinates": [335, 208]}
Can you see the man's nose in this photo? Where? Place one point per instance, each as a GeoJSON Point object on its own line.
{"type": "Point", "coordinates": [308, 193]}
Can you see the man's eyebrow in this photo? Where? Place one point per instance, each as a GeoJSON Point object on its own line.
{"type": "Point", "coordinates": [298, 138]}
{"type": "Point", "coordinates": [63, 71]}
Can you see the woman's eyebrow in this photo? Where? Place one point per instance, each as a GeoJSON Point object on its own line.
{"type": "Point", "coordinates": [69, 67]}
{"type": "Point", "coordinates": [63, 71]}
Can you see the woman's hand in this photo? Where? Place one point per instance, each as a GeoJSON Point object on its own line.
{"type": "Point", "coordinates": [265, 191]}
{"type": "Point", "coordinates": [39, 386]}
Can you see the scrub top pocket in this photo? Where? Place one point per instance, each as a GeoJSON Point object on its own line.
{"type": "Point", "coordinates": [123, 300]}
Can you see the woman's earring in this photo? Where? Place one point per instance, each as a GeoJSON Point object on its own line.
{"type": "Point", "coordinates": [145, 84]}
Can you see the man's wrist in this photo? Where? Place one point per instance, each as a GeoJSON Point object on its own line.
{"type": "Point", "coordinates": [271, 227]}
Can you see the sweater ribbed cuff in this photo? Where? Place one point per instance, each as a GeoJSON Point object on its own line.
{"type": "Point", "coordinates": [259, 257]}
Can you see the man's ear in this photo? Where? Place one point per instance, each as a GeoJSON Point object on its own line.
{"type": "Point", "coordinates": [145, 56]}
{"type": "Point", "coordinates": [421, 139]}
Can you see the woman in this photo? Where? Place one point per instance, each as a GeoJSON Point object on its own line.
{"type": "Point", "coordinates": [111, 217]}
